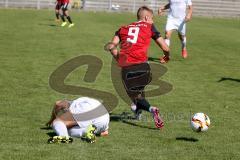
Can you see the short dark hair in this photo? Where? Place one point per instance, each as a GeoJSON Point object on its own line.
{"type": "Point", "coordinates": [143, 8]}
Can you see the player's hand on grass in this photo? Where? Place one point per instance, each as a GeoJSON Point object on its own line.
{"type": "Point", "coordinates": [105, 133]}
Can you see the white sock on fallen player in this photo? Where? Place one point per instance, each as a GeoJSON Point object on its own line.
{"type": "Point", "coordinates": [60, 128]}
{"type": "Point", "coordinates": [77, 131]}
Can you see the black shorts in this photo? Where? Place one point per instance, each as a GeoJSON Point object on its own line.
{"type": "Point", "coordinates": [58, 6]}
{"type": "Point", "coordinates": [136, 77]}
{"type": "Point", "coordinates": [65, 6]}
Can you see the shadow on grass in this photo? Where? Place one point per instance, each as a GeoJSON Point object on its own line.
{"type": "Point", "coordinates": [187, 139]}
{"type": "Point", "coordinates": [228, 79]}
{"type": "Point", "coordinates": [137, 125]}
{"type": "Point", "coordinates": [121, 117]}
{"type": "Point", "coordinates": [127, 119]}
{"type": "Point", "coordinates": [46, 128]}
{"type": "Point", "coordinates": [157, 60]}
{"type": "Point", "coordinates": [50, 25]}
{"type": "Point", "coordinates": [50, 134]}
{"type": "Point", "coordinates": [152, 59]}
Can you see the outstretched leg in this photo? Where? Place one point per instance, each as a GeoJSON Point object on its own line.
{"type": "Point", "coordinates": [182, 37]}
{"type": "Point", "coordinates": [168, 35]}
{"type": "Point", "coordinates": [135, 79]}
{"type": "Point", "coordinates": [57, 11]}
{"type": "Point", "coordinates": [66, 14]}
{"type": "Point", "coordinates": [183, 40]}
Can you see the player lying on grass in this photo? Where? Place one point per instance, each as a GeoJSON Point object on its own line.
{"type": "Point", "coordinates": [78, 118]}
{"type": "Point", "coordinates": [179, 14]}
{"type": "Point", "coordinates": [134, 40]}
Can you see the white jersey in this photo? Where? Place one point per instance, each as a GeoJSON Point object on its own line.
{"type": "Point", "coordinates": [87, 111]}
{"type": "Point", "coordinates": [178, 8]}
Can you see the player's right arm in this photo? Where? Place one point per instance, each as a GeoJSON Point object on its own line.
{"type": "Point", "coordinates": [112, 46]}
{"type": "Point", "coordinates": [163, 8]}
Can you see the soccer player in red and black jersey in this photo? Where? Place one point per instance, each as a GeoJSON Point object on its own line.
{"type": "Point", "coordinates": [134, 40]}
{"type": "Point", "coordinates": [63, 4]}
{"type": "Point", "coordinates": [57, 9]}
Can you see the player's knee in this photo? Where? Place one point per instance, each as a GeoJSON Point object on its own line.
{"type": "Point", "coordinates": [139, 97]}
{"type": "Point", "coordinates": [65, 11]}
{"type": "Point", "coordinates": [134, 96]}
{"type": "Point", "coordinates": [56, 120]}
{"type": "Point", "coordinates": [181, 36]}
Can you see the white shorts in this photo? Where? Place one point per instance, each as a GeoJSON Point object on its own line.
{"type": "Point", "coordinates": [88, 111]}
{"type": "Point", "coordinates": [176, 24]}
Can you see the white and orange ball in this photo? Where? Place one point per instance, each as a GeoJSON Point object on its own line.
{"type": "Point", "coordinates": [200, 122]}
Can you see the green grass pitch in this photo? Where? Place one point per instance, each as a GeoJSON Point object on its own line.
{"type": "Point", "coordinates": [32, 46]}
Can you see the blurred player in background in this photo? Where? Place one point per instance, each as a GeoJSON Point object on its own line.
{"type": "Point", "coordinates": [58, 10]}
{"type": "Point", "coordinates": [63, 5]}
{"type": "Point", "coordinates": [179, 14]}
{"type": "Point", "coordinates": [78, 118]}
{"type": "Point", "coordinates": [134, 40]}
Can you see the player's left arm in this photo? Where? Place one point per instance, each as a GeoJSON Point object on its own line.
{"type": "Point", "coordinates": [189, 11]}
{"type": "Point", "coordinates": [162, 44]}
{"type": "Point", "coordinates": [156, 36]}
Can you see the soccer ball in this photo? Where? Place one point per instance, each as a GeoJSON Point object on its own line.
{"type": "Point", "coordinates": [200, 122]}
